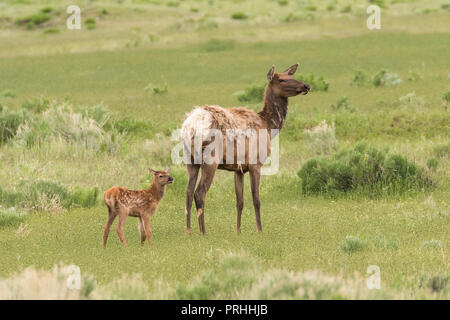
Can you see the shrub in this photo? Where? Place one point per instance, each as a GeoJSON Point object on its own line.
{"type": "Point", "coordinates": [51, 30]}
{"type": "Point", "coordinates": [342, 105]}
{"type": "Point", "coordinates": [215, 45]}
{"type": "Point", "coordinates": [432, 163]}
{"type": "Point", "coordinates": [8, 93]}
{"type": "Point", "coordinates": [364, 168]}
{"type": "Point", "coordinates": [157, 89]}
{"type": "Point", "coordinates": [254, 93]}
{"type": "Point", "coordinates": [90, 23]}
{"type": "Point", "coordinates": [316, 83]}
{"type": "Point", "coordinates": [35, 20]}
{"type": "Point", "coordinates": [234, 273]}
{"type": "Point", "coordinates": [44, 285]}
{"type": "Point", "coordinates": [283, 2]}
{"type": "Point", "coordinates": [431, 244]}
{"type": "Point", "coordinates": [442, 150]}
{"type": "Point", "coordinates": [411, 100]}
{"type": "Point", "coordinates": [173, 4]}
{"type": "Point", "coordinates": [321, 138]}
{"type": "Point", "coordinates": [352, 244]}
{"type": "Point", "coordinates": [9, 123]}
{"type": "Point", "coordinates": [386, 243]}
{"type": "Point", "coordinates": [84, 197]}
{"type": "Point", "coordinates": [360, 78]}
{"type": "Point", "coordinates": [49, 196]}
{"type": "Point", "coordinates": [36, 105]}
{"type": "Point", "coordinates": [346, 9]}
{"type": "Point", "coordinates": [293, 17]}
{"type": "Point", "coordinates": [11, 218]}
{"type": "Point", "coordinates": [446, 96]}
{"type": "Point", "coordinates": [63, 123]}
{"type": "Point", "coordinates": [385, 78]}
{"type": "Point", "coordinates": [239, 16]}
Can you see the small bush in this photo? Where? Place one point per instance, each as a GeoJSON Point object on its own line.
{"type": "Point", "coordinates": [446, 96]}
{"type": "Point", "coordinates": [411, 100]}
{"type": "Point", "coordinates": [346, 9]}
{"type": "Point", "coordinates": [215, 45]}
{"type": "Point", "coordinates": [360, 78]}
{"type": "Point", "coordinates": [173, 4]}
{"type": "Point", "coordinates": [84, 197]}
{"type": "Point", "coordinates": [35, 20]}
{"type": "Point", "coordinates": [51, 30]}
{"type": "Point", "coordinates": [432, 163]}
{"type": "Point", "coordinates": [386, 243]}
{"type": "Point", "coordinates": [364, 168]}
{"type": "Point", "coordinates": [9, 124]}
{"type": "Point", "coordinates": [294, 17]}
{"type": "Point", "coordinates": [431, 244]}
{"type": "Point", "coordinates": [239, 16]}
{"type": "Point", "coordinates": [321, 138]}
{"type": "Point", "coordinates": [385, 78]}
{"type": "Point", "coordinates": [442, 150]}
{"type": "Point", "coordinates": [36, 105]}
{"type": "Point", "coordinates": [283, 2]}
{"type": "Point", "coordinates": [90, 23]}
{"type": "Point", "coordinates": [157, 89]}
{"type": "Point", "coordinates": [11, 218]}
{"type": "Point", "coordinates": [352, 244]}
{"type": "Point", "coordinates": [342, 105]}
{"type": "Point", "coordinates": [8, 93]}
{"type": "Point", "coordinates": [252, 94]}
{"type": "Point", "coordinates": [316, 83]}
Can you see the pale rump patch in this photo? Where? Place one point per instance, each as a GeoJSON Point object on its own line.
{"type": "Point", "coordinates": [196, 121]}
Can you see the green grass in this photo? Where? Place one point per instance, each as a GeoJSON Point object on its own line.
{"type": "Point", "coordinates": [133, 87]}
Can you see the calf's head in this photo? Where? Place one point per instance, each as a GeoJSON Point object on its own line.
{"type": "Point", "coordinates": [162, 177]}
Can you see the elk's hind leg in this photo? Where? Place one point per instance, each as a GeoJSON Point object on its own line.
{"type": "Point", "coordinates": [193, 175]}
{"type": "Point", "coordinates": [111, 217]}
{"type": "Point", "coordinates": [239, 189]}
{"type": "Point", "coordinates": [254, 182]}
{"type": "Point", "coordinates": [120, 226]}
{"type": "Point", "coordinates": [142, 230]}
{"type": "Point", "coordinates": [208, 171]}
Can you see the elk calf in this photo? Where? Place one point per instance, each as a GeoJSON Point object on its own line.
{"type": "Point", "coordinates": [141, 204]}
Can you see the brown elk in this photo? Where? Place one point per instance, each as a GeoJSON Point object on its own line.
{"type": "Point", "coordinates": [141, 204]}
{"type": "Point", "coordinates": [279, 88]}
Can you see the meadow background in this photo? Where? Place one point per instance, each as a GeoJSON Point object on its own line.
{"type": "Point", "coordinates": [364, 157]}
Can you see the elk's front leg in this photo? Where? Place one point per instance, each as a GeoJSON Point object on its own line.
{"type": "Point", "coordinates": [254, 181]}
{"type": "Point", "coordinates": [239, 189]}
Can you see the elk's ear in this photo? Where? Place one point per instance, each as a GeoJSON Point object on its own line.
{"type": "Point", "coordinates": [168, 170]}
{"type": "Point", "coordinates": [270, 73]}
{"type": "Point", "coordinates": [291, 70]}
{"type": "Point", "coordinates": [151, 171]}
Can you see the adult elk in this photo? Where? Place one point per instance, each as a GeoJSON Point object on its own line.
{"type": "Point", "coordinates": [279, 88]}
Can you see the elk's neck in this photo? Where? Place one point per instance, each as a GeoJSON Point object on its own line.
{"type": "Point", "coordinates": [274, 110]}
{"type": "Point", "coordinates": [157, 191]}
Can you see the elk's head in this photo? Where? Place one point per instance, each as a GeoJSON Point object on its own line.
{"type": "Point", "coordinates": [283, 84]}
{"type": "Point", "coordinates": [161, 177]}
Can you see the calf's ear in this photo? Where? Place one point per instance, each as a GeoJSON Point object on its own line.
{"type": "Point", "coordinates": [151, 171]}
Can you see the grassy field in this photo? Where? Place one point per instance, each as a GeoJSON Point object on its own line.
{"type": "Point", "coordinates": [55, 166]}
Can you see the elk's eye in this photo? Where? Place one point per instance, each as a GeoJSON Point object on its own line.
{"type": "Point", "coordinates": [160, 176]}
{"type": "Point", "coordinates": [282, 80]}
